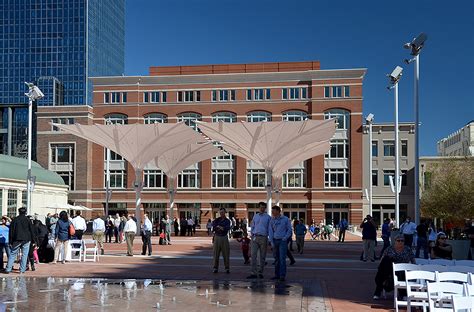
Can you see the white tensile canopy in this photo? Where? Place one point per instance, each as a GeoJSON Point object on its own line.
{"type": "Point", "coordinates": [276, 146]}
{"type": "Point", "coordinates": [175, 160]}
{"type": "Point", "coordinates": [139, 144]}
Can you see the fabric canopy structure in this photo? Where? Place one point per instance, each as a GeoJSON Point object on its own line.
{"type": "Point", "coordinates": [173, 161]}
{"type": "Point", "coordinates": [276, 146]}
{"type": "Point", "coordinates": [139, 144]}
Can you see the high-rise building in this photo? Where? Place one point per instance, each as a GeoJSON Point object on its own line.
{"type": "Point", "coordinates": [459, 143]}
{"type": "Point", "coordinates": [58, 44]}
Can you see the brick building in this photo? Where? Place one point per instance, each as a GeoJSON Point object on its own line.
{"type": "Point", "coordinates": [325, 187]}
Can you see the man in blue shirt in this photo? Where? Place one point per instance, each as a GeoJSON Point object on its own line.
{"type": "Point", "coordinates": [221, 228]}
{"type": "Point", "coordinates": [342, 230]}
{"type": "Point", "coordinates": [260, 227]}
{"type": "Point", "coordinates": [4, 245]}
{"type": "Point", "coordinates": [386, 232]}
{"type": "Point", "coordinates": [146, 235]}
{"type": "Point", "coordinates": [279, 233]}
{"type": "Point", "coordinates": [300, 232]}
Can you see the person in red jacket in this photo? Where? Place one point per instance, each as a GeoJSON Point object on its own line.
{"type": "Point", "coordinates": [245, 245]}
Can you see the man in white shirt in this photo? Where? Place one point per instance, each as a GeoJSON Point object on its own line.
{"type": "Point", "coordinates": [98, 230]}
{"type": "Point", "coordinates": [79, 225]}
{"type": "Point", "coordinates": [190, 226]}
{"type": "Point", "coordinates": [147, 227]}
{"type": "Point", "coordinates": [117, 228]}
{"type": "Point", "coordinates": [408, 229]}
{"type": "Point", "coordinates": [130, 229]}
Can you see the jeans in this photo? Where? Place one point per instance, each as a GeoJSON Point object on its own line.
{"type": "Point", "coordinates": [421, 243]}
{"type": "Point", "coordinates": [25, 249]}
{"type": "Point", "coordinates": [6, 248]}
{"type": "Point", "coordinates": [280, 248]}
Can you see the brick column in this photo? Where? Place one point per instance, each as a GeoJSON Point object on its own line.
{"type": "Point", "coordinates": [206, 214]}
{"type": "Point", "coordinates": [240, 172]}
{"type": "Point", "coordinates": [316, 213]}
{"type": "Point", "coordinates": [206, 174]}
{"type": "Point", "coordinates": [356, 214]}
{"type": "Point", "coordinates": [241, 210]}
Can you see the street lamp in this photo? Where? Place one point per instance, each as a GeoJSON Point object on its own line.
{"type": "Point", "coordinates": [415, 46]}
{"type": "Point", "coordinates": [394, 79]}
{"type": "Point", "coordinates": [370, 119]}
{"type": "Point", "coordinates": [34, 94]}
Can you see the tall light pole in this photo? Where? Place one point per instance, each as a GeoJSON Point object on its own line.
{"type": "Point", "coordinates": [415, 46]}
{"type": "Point", "coordinates": [370, 119]}
{"type": "Point", "coordinates": [34, 94]}
{"type": "Point", "coordinates": [394, 79]}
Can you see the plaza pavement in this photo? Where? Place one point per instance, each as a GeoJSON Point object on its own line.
{"type": "Point", "coordinates": [330, 273]}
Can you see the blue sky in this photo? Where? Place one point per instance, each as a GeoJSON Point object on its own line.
{"type": "Point", "coordinates": [340, 34]}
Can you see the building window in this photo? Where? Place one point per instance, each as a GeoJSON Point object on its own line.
{"type": "Point", "coordinates": [12, 203]}
{"type": "Point", "coordinates": [284, 94]}
{"type": "Point", "coordinates": [116, 119]}
{"type": "Point", "coordinates": [249, 95]}
{"type": "Point", "coordinates": [294, 93]}
{"type": "Point", "coordinates": [223, 95]}
{"type": "Point", "coordinates": [342, 116]}
{"type": "Point", "coordinates": [154, 178]}
{"type": "Point", "coordinates": [155, 118]}
{"type": "Point", "coordinates": [214, 95]}
{"type": "Point", "coordinates": [256, 178]}
{"type": "Point", "coordinates": [404, 177]}
{"type": "Point", "coordinates": [155, 97]}
{"type": "Point", "coordinates": [118, 178]}
{"type": "Point", "coordinates": [268, 94]}
{"type": "Point", "coordinates": [389, 148]}
{"type": "Point", "coordinates": [62, 153]}
{"type": "Point", "coordinates": [164, 98]}
{"type": "Point", "coordinates": [146, 97]}
{"type": "Point", "coordinates": [258, 94]}
{"type": "Point", "coordinates": [61, 121]}
{"type": "Point", "coordinates": [188, 178]}
{"type": "Point", "coordinates": [295, 116]}
{"type": "Point", "coordinates": [339, 149]}
{"type": "Point", "coordinates": [222, 178]}
{"type": "Point", "coordinates": [375, 177]}
{"type": "Point", "coordinates": [124, 97]}
{"type": "Point", "coordinates": [115, 97]}
{"type": "Point", "coordinates": [404, 148]}
{"type": "Point", "coordinates": [190, 119]}
{"type": "Point", "coordinates": [347, 91]}
{"type": "Point", "coordinates": [189, 96]}
{"type": "Point", "coordinates": [68, 178]}
{"type": "Point", "coordinates": [259, 116]}
{"type": "Point", "coordinates": [294, 178]}
{"type": "Point", "coordinates": [113, 156]}
{"type": "Point", "coordinates": [327, 92]}
{"type": "Point", "coordinates": [336, 177]}
{"type": "Point", "coordinates": [106, 98]}
{"type": "Point", "coordinates": [386, 177]}
{"type": "Point", "coordinates": [337, 92]}
{"type": "Point", "coordinates": [375, 148]}
{"type": "Point", "coordinates": [224, 117]}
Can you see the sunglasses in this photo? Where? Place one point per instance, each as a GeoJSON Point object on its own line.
{"type": "Point", "coordinates": [400, 240]}
{"type": "Point", "coordinates": [442, 238]}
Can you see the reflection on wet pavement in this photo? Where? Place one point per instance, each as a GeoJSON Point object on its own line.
{"type": "Point", "coordinates": [73, 294]}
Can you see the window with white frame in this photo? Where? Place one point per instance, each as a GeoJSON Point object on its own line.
{"type": "Point", "coordinates": [259, 94]}
{"type": "Point", "coordinates": [388, 148]}
{"type": "Point", "coordinates": [327, 92]}
{"type": "Point", "coordinates": [347, 91]}
{"type": "Point", "coordinates": [12, 203]}
{"type": "Point", "coordinates": [375, 148]}
{"type": "Point", "coordinates": [113, 155]}
{"type": "Point", "coordinates": [154, 178]}
{"type": "Point", "coordinates": [118, 178]}
{"type": "Point", "coordinates": [295, 116]}
{"type": "Point", "coordinates": [155, 118]}
{"type": "Point", "coordinates": [294, 178]}
{"type": "Point", "coordinates": [188, 178]}
{"type": "Point", "coordinates": [342, 116]}
{"type": "Point", "coordinates": [155, 97]}
{"type": "Point", "coordinates": [124, 97]}
{"type": "Point", "coordinates": [61, 121]}
{"type": "Point", "coordinates": [339, 149]}
{"type": "Point", "coordinates": [116, 119]}
{"type": "Point", "coordinates": [334, 178]}
{"type": "Point", "coordinates": [190, 119]}
{"type": "Point", "coordinates": [256, 178]}
{"type": "Point", "coordinates": [404, 148]}
{"type": "Point", "coordinates": [68, 178]}
{"type": "Point", "coordinates": [294, 93]}
{"type": "Point", "coordinates": [337, 91]}
{"type": "Point", "coordinates": [62, 162]}
{"type": "Point", "coordinates": [375, 177]}
{"type": "Point", "coordinates": [259, 116]}
{"type": "Point", "coordinates": [112, 97]}
{"type": "Point", "coordinates": [386, 176]}
{"type": "Point", "coordinates": [224, 117]}
{"type": "Point", "coordinates": [249, 95]}
{"type": "Point", "coordinates": [222, 178]}
{"type": "Point", "coordinates": [189, 96]}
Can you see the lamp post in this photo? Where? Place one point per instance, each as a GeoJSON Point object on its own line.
{"type": "Point", "coordinates": [34, 93]}
{"type": "Point", "coordinates": [415, 46]}
{"type": "Point", "coordinates": [370, 119]}
{"type": "Point", "coordinates": [394, 79]}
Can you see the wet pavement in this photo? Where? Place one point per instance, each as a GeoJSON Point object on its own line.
{"type": "Point", "coordinates": [21, 293]}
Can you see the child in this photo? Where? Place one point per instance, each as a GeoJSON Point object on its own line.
{"type": "Point", "coordinates": [245, 245]}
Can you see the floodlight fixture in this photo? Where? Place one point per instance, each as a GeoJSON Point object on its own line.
{"type": "Point", "coordinates": [416, 44]}
{"type": "Point", "coordinates": [370, 118]}
{"type": "Point", "coordinates": [395, 76]}
{"type": "Point", "coordinates": [34, 93]}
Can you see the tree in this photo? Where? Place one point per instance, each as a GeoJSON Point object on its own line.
{"type": "Point", "coordinates": [449, 194]}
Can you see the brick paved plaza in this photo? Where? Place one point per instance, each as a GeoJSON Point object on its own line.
{"type": "Point", "coordinates": [327, 277]}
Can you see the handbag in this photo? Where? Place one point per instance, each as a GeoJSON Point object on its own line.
{"type": "Point", "coordinates": [72, 230]}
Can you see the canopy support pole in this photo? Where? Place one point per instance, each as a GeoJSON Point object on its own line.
{"type": "Point", "coordinates": [277, 190]}
{"type": "Point", "coordinates": [171, 192]}
{"type": "Point", "coordinates": [268, 173]}
{"type": "Point", "coordinates": [138, 190]}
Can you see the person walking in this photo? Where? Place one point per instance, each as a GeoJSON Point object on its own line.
{"type": "Point", "coordinates": [19, 237]}
{"type": "Point", "coordinates": [343, 225]}
{"type": "Point", "coordinates": [386, 233]}
{"type": "Point", "coordinates": [300, 232]}
{"type": "Point", "coordinates": [221, 228]}
{"type": "Point", "coordinates": [422, 240]}
{"type": "Point", "coordinates": [146, 235]}
{"type": "Point", "coordinates": [190, 226]}
{"type": "Point", "coordinates": [117, 222]}
{"type": "Point", "coordinates": [98, 230]}
{"type": "Point", "coordinates": [4, 245]}
{"type": "Point", "coordinates": [130, 230]}
{"type": "Point", "coordinates": [259, 230]}
{"type": "Point", "coordinates": [408, 229]}
{"type": "Point", "coordinates": [176, 227]}
{"type": "Point", "coordinates": [369, 236]}
{"type": "Point", "coordinates": [167, 230]}
{"type": "Point", "coordinates": [279, 233]}
{"type": "Point", "coordinates": [61, 237]}
{"type": "Point", "coordinates": [80, 225]}
{"type": "Point", "coordinates": [209, 227]}
{"type": "Point", "coordinates": [109, 230]}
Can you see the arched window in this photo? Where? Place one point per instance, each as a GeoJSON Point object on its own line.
{"type": "Point", "coordinates": [224, 117]}
{"type": "Point", "coordinates": [155, 118]}
{"type": "Point", "coordinates": [259, 116]}
{"type": "Point", "coordinates": [190, 119]}
{"type": "Point", "coordinates": [343, 118]}
{"type": "Point", "coordinates": [115, 119]}
{"type": "Point", "coordinates": [295, 115]}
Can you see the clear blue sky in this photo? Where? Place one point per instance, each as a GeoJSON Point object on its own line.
{"type": "Point", "coordinates": [341, 34]}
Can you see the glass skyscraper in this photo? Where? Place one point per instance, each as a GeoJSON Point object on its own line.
{"type": "Point", "coordinates": [58, 44]}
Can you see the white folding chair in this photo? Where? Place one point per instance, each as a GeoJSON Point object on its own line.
{"type": "Point", "coordinates": [90, 249]}
{"type": "Point", "coordinates": [417, 295]}
{"type": "Point", "coordinates": [462, 303]}
{"type": "Point", "coordinates": [442, 262]}
{"type": "Point", "coordinates": [440, 293]}
{"type": "Point", "coordinates": [469, 263]}
{"type": "Point", "coordinates": [461, 268]}
{"type": "Point", "coordinates": [455, 277]}
{"type": "Point", "coordinates": [397, 285]}
{"type": "Point", "coordinates": [75, 246]}
{"type": "Point", "coordinates": [422, 261]}
{"type": "Point", "coordinates": [469, 289]}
